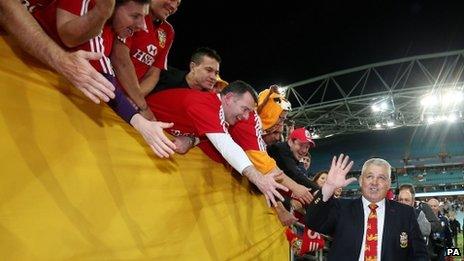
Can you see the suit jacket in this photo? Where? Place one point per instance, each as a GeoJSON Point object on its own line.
{"type": "Point", "coordinates": [343, 219]}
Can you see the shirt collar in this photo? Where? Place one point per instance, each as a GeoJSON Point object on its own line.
{"type": "Point", "coordinates": [380, 204]}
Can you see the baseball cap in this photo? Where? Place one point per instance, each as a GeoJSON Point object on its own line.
{"type": "Point", "coordinates": [302, 135]}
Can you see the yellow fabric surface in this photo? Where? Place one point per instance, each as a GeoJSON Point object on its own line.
{"type": "Point", "coordinates": [77, 183]}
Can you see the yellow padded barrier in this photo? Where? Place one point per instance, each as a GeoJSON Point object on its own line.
{"type": "Point", "coordinates": [77, 183]}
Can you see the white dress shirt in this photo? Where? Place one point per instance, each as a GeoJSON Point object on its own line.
{"type": "Point", "coordinates": [380, 220]}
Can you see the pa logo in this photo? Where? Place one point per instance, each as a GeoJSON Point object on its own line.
{"type": "Point", "coordinates": [453, 252]}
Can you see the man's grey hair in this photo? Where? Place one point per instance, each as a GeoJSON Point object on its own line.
{"type": "Point", "coordinates": [377, 162]}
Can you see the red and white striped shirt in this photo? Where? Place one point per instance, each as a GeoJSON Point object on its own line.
{"type": "Point", "coordinates": [102, 43]}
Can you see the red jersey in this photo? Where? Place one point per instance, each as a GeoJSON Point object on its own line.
{"type": "Point", "coordinates": [151, 47]}
{"type": "Point", "coordinates": [248, 134]}
{"type": "Point", "coordinates": [193, 112]}
{"type": "Point", "coordinates": [102, 43]}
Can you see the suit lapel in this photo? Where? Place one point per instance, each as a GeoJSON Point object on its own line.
{"type": "Point", "coordinates": [387, 225]}
{"type": "Point", "coordinates": [358, 224]}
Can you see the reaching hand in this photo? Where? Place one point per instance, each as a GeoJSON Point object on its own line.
{"type": "Point", "coordinates": [296, 205]}
{"type": "Point", "coordinates": [152, 132]}
{"type": "Point", "coordinates": [336, 177]}
{"type": "Point", "coordinates": [147, 114]}
{"type": "Point", "coordinates": [76, 68]}
{"type": "Point", "coordinates": [266, 184]}
{"type": "Point", "coordinates": [286, 218]}
{"type": "Point", "coordinates": [302, 193]}
{"type": "Point", "coordinates": [183, 144]}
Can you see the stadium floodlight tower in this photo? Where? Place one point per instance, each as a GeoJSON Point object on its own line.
{"type": "Point", "coordinates": [382, 95]}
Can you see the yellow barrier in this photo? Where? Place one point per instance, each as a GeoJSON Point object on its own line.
{"type": "Point", "coordinates": [78, 183]}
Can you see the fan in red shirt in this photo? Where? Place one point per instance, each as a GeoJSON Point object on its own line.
{"type": "Point", "coordinates": [77, 25]}
{"type": "Point", "coordinates": [17, 20]}
{"type": "Point", "coordinates": [207, 115]}
{"type": "Point", "coordinates": [138, 60]}
{"type": "Point", "coordinates": [264, 127]}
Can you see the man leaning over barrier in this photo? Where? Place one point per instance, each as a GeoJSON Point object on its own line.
{"type": "Point", "coordinates": [208, 115]}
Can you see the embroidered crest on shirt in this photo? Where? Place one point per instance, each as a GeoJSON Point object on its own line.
{"type": "Point", "coordinates": [403, 240]}
{"type": "Point", "coordinates": [162, 38]}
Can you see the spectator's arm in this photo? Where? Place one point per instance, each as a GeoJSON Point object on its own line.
{"type": "Point", "coordinates": [237, 158]}
{"type": "Point", "coordinates": [149, 80]}
{"type": "Point", "coordinates": [75, 30]}
{"type": "Point", "coordinates": [75, 67]}
{"type": "Point", "coordinates": [231, 152]}
{"type": "Point", "coordinates": [286, 218]}
{"type": "Point", "coordinates": [152, 132]}
{"type": "Point", "coordinates": [288, 164]}
{"type": "Point", "coordinates": [322, 215]}
{"type": "Point", "coordinates": [125, 71]}
{"type": "Point", "coordinates": [299, 191]}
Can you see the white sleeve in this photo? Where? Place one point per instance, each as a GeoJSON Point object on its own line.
{"type": "Point", "coordinates": [230, 150]}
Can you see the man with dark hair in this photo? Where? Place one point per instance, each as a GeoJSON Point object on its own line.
{"type": "Point", "coordinates": [406, 196]}
{"type": "Point", "coordinates": [203, 73]}
{"type": "Point", "coordinates": [201, 52]}
{"type": "Point", "coordinates": [429, 215]}
{"type": "Point", "coordinates": [207, 115]}
{"type": "Point", "coordinates": [248, 134]}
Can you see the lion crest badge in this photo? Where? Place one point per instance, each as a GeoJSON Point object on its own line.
{"type": "Point", "coordinates": [162, 38]}
{"type": "Point", "coordinates": [403, 240]}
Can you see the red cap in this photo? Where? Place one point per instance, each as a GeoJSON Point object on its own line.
{"type": "Point", "coordinates": [302, 135]}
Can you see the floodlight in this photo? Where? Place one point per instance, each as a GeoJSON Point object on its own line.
{"type": "Point", "coordinates": [375, 108]}
{"type": "Point", "coordinates": [452, 117]}
{"type": "Point", "coordinates": [429, 100]}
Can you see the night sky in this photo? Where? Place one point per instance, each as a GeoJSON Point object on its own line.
{"type": "Point", "coordinates": [287, 41]}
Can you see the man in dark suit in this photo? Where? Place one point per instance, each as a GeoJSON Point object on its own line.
{"type": "Point", "coordinates": [370, 227]}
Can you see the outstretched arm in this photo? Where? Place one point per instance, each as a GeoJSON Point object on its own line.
{"type": "Point", "coordinates": [238, 159]}
{"type": "Point", "coordinates": [75, 67]}
{"type": "Point", "coordinates": [75, 30]}
{"type": "Point", "coordinates": [125, 71]}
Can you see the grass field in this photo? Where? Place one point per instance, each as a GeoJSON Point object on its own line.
{"type": "Point", "coordinates": [460, 240]}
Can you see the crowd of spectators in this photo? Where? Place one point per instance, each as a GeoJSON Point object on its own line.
{"type": "Point", "coordinates": [117, 52]}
